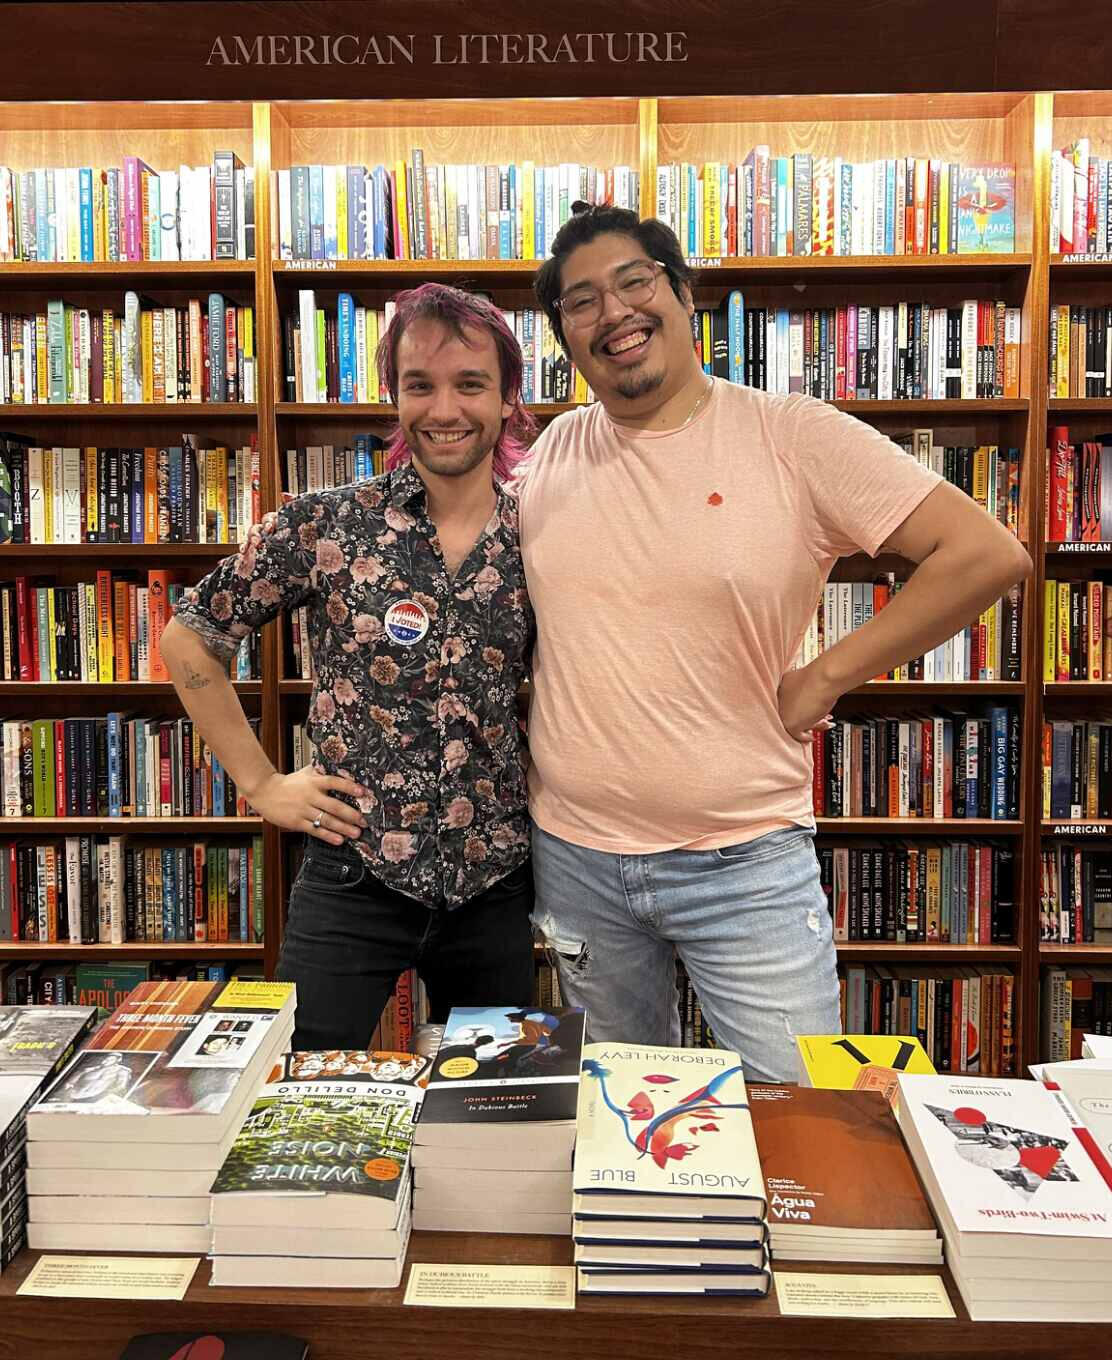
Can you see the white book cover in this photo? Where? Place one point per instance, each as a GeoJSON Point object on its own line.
{"type": "Point", "coordinates": [665, 1122]}
{"type": "Point", "coordinates": [1002, 1157]}
{"type": "Point", "coordinates": [1098, 1046]}
{"type": "Point", "coordinates": [1088, 1088]}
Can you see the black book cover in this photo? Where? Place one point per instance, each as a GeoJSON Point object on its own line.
{"type": "Point", "coordinates": [506, 1065]}
{"type": "Point", "coordinates": [215, 1346]}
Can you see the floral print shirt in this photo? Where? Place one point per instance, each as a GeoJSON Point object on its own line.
{"type": "Point", "coordinates": [417, 672]}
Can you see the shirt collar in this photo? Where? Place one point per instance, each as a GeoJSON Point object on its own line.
{"type": "Point", "coordinates": [405, 485]}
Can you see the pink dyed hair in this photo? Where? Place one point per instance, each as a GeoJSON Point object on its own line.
{"type": "Point", "coordinates": [459, 312]}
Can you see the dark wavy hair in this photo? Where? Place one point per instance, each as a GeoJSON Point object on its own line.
{"type": "Point", "coordinates": [659, 242]}
{"type": "Point", "coordinates": [459, 312]}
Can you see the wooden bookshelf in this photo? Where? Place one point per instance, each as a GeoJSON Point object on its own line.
{"type": "Point", "coordinates": [641, 133]}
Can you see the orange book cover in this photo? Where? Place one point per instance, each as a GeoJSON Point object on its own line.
{"type": "Point", "coordinates": [120, 631]}
{"type": "Point", "coordinates": [158, 609]}
{"type": "Point", "coordinates": [824, 1153]}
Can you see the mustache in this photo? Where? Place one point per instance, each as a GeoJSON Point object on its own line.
{"type": "Point", "coordinates": [639, 323]}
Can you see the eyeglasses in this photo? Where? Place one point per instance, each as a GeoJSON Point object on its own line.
{"type": "Point", "coordinates": [582, 306]}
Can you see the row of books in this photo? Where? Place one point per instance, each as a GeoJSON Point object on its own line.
{"type": "Point", "coordinates": [860, 351]}
{"type": "Point", "coordinates": [1078, 489]}
{"type": "Point", "coordinates": [824, 205]}
{"type": "Point", "coordinates": [105, 890]}
{"type": "Point", "coordinates": [987, 473]}
{"type": "Point", "coordinates": [339, 364]}
{"type": "Point", "coordinates": [990, 649]}
{"type": "Point", "coordinates": [203, 351]}
{"type": "Point", "coordinates": [317, 467]}
{"type": "Point", "coordinates": [951, 893]}
{"type": "Point", "coordinates": [1077, 618]}
{"type": "Point", "coordinates": [949, 765]}
{"type": "Point", "coordinates": [115, 766]}
{"type": "Point", "coordinates": [1080, 215]}
{"type": "Point", "coordinates": [1076, 770]}
{"type": "Point", "coordinates": [417, 211]}
{"type": "Point", "coordinates": [1073, 1002]}
{"type": "Point", "coordinates": [107, 631]}
{"type": "Point", "coordinates": [1079, 351]}
{"type": "Point", "coordinates": [1075, 896]}
{"type": "Point", "coordinates": [180, 493]}
{"type": "Point", "coordinates": [129, 212]}
{"type": "Point", "coordinates": [964, 1016]}
{"type": "Point", "coordinates": [103, 985]}
{"type": "Point", "coordinates": [695, 1030]}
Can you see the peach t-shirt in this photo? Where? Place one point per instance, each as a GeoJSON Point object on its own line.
{"type": "Point", "coordinates": [673, 575]}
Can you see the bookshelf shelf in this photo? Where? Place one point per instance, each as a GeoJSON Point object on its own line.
{"type": "Point", "coordinates": [123, 826]}
{"type": "Point", "coordinates": [917, 826]}
{"type": "Point", "coordinates": [33, 951]}
{"type": "Point", "coordinates": [941, 689]}
{"type": "Point", "coordinates": [120, 689]}
{"type": "Point", "coordinates": [1083, 954]}
{"type": "Point", "coordinates": [182, 413]}
{"type": "Point", "coordinates": [1088, 271]}
{"type": "Point", "coordinates": [1082, 405]}
{"type": "Point", "coordinates": [989, 406]}
{"type": "Point", "coordinates": [863, 951]}
{"type": "Point", "coordinates": [165, 552]}
{"type": "Point", "coordinates": [1069, 830]}
{"type": "Point", "coordinates": [1094, 689]}
{"type": "Point", "coordinates": [112, 272]}
{"type": "Point", "coordinates": [378, 411]}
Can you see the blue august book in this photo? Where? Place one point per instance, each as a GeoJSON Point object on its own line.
{"type": "Point", "coordinates": [665, 1133]}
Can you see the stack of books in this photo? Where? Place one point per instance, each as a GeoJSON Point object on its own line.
{"type": "Point", "coordinates": [669, 1196]}
{"type": "Point", "coordinates": [493, 1147]}
{"type": "Point", "coordinates": [824, 1154]}
{"type": "Point", "coordinates": [123, 1148]}
{"type": "Point", "coordinates": [1083, 1089]}
{"type": "Point", "coordinates": [35, 1044]}
{"type": "Point", "coordinates": [315, 1192]}
{"type": "Point", "coordinates": [1026, 1216]}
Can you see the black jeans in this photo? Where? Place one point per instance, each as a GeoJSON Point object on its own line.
{"type": "Point", "coordinates": [348, 937]}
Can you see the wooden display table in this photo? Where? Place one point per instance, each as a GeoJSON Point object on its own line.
{"type": "Point", "coordinates": [349, 1324]}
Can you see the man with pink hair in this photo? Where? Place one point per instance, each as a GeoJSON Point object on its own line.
{"type": "Point", "coordinates": [414, 809]}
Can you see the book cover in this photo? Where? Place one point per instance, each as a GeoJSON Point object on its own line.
{"type": "Point", "coordinates": [986, 209]}
{"type": "Point", "coordinates": [501, 1064]}
{"type": "Point", "coordinates": [35, 1042]}
{"type": "Point", "coordinates": [1002, 1157]}
{"type": "Point", "coordinates": [348, 1134]}
{"type": "Point", "coordinates": [658, 1122]}
{"type": "Point", "coordinates": [215, 1346]}
{"type": "Point", "coordinates": [170, 1049]}
{"type": "Point", "coordinates": [834, 1162]}
{"type": "Point", "coordinates": [859, 1062]}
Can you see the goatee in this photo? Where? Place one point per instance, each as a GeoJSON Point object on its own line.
{"type": "Point", "coordinates": [639, 385]}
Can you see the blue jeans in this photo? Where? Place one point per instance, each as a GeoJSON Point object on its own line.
{"type": "Point", "coordinates": [749, 921]}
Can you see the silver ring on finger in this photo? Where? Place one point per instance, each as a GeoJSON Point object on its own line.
{"type": "Point", "coordinates": [317, 820]}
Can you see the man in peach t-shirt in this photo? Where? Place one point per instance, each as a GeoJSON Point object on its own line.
{"type": "Point", "coordinates": [676, 538]}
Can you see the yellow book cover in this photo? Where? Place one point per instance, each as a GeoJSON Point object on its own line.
{"type": "Point", "coordinates": [213, 460]}
{"type": "Point", "coordinates": [100, 217]}
{"type": "Point", "coordinates": [980, 476]}
{"type": "Point", "coordinates": [1096, 630]}
{"type": "Point", "coordinates": [342, 214]}
{"type": "Point", "coordinates": [48, 490]}
{"type": "Point", "coordinates": [1063, 664]}
{"type": "Point", "coordinates": [992, 642]}
{"type": "Point", "coordinates": [1050, 631]}
{"type": "Point", "coordinates": [451, 214]}
{"type": "Point", "coordinates": [117, 348]}
{"type": "Point", "coordinates": [1047, 771]}
{"type": "Point", "coordinates": [528, 209]}
{"type": "Point", "coordinates": [222, 504]}
{"type": "Point", "coordinates": [1062, 356]}
{"type": "Point", "coordinates": [666, 1131]}
{"type": "Point", "coordinates": [92, 508]}
{"type": "Point", "coordinates": [150, 495]}
{"type": "Point", "coordinates": [712, 210]}
{"type": "Point", "coordinates": [51, 627]}
{"type": "Point", "coordinates": [373, 391]}
{"type": "Point", "coordinates": [944, 213]}
{"type": "Point", "coordinates": [859, 1062]}
{"type": "Point", "coordinates": [247, 315]}
{"type": "Point", "coordinates": [582, 393]}
{"type": "Point", "coordinates": [146, 350]}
